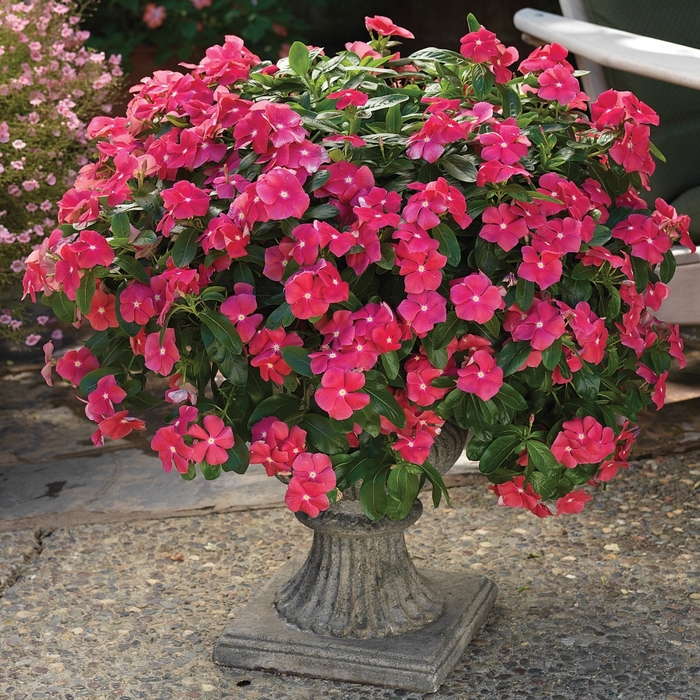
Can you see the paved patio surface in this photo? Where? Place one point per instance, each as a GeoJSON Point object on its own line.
{"type": "Point", "coordinates": [116, 579]}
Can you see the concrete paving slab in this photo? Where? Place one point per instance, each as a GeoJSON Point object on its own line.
{"type": "Point", "coordinates": [119, 486]}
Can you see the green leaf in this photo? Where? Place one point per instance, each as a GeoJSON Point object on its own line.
{"type": "Point", "coordinates": [185, 247]}
{"type": "Point", "coordinates": [238, 457]}
{"type": "Point", "coordinates": [390, 362]}
{"type": "Point", "coordinates": [394, 120]}
{"type": "Point", "coordinates": [512, 398]}
{"type": "Point", "coordinates": [384, 403]}
{"type": "Point", "coordinates": [222, 330]}
{"type": "Point", "coordinates": [85, 292]}
{"type": "Point", "coordinates": [459, 167]}
{"type": "Point", "coordinates": [281, 317]}
{"type": "Point", "coordinates": [63, 307]}
{"type": "Point", "coordinates": [403, 487]}
{"type": "Point", "coordinates": [541, 457]}
{"type": "Point", "coordinates": [601, 235]}
{"type": "Point", "coordinates": [550, 356]}
{"type": "Point", "coordinates": [146, 238]}
{"type": "Point", "coordinates": [388, 256]}
{"type": "Point", "coordinates": [234, 368]}
{"type": "Point", "coordinates": [497, 454]}
{"type": "Point", "coordinates": [349, 472]}
{"type": "Point", "coordinates": [323, 436]}
{"type": "Point", "coordinates": [373, 498]}
{"type": "Point", "coordinates": [449, 245]}
{"type": "Point", "coordinates": [435, 478]}
{"type": "Point", "coordinates": [510, 101]}
{"type": "Point", "coordinates": [640, 269]}
{"type": "Point", "coordinates": [132, 268]}
{"type": "Point", "coordinates": [321, 212]}
{"type": "Point", "coordinates": [299, 60]}
{"type": "Point", "coordinates": [657, 152]}
{"type": "Point", "coordinates": [282, 406]}
{"type": "Point", "coordinates": [482, 81]}
{"type": "Point", "coordinates": [473, 23]}
{"type": "Point", "coordinates": [120, 225]}
{"type": "Point", "coordinates": [668, 267]}
{"type": "Point", "coordinates": [444, 333]}
{"type": "Point", "coordinates": [368, 420]}
{"type": "Point", "coordinates": [144, 402]}
{"type": "Point", "coordinates": [189, 474]}
{"type": "Point", "coordinates": [210, 471]}
{"type": "Point", "coordinates": [478, 418]}
{"type": "Point", "coordinates": [438, 356]}
{"type": "Point", "coordinates": [319, 179]}
{"type": "Point", "coordinates": [587, 382]}
{"type": "Point", "coordinates": [298, 359]}
{"type": "Point", "coordinates": [524, 294]}
{"type": "Point", "coordinates": [512, 356]}
{"type": "Point", "coordinates": [383, 102]}
{"type": "Point", "coordinates": [583, 272]}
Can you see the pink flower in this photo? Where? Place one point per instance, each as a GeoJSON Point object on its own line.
{"type": "Point", "coordinates": [314, 467]}
{"type": "Point", "coordinates": [583, 441]}
{"type": "Point", "coordinates": [92, 250]}
{"type": "Point", "coordinates": [185, 201]}
{"type": "Point", "coordinates": [154, 15]}
{"type": "Point", "coordinates": [573, 502]}
{"type": "Point", "coordinates": [282, 194]}
{"type": "Point", "coordinates": [545, 268]}
{"type": "Point", "coordinates": [48, 363]}
{"type": "Point", "coordinates": [119, 425]}
{"type": "Point", "coordinates": [137, 304]}
{"type": "Point", "coordinates": [481, 376]}
{"type": "Point", "coordinates": [101, 401]}
{"type": "Point", "coordinates": [212, 440]}
{"type": "Point", "coordinates": [239, 310]}
{"type": "Point", "coordinates": [385, 27]}
{"type": "Point", "coordinates": [481, 46]}
{"type": "Point", "coordinates": [75, 364]}
{"type": "Point", "coordinates": [423, 311]}
{"type": "Point", "coordinates": [171, 449]}
{"type": "Point", "coordinates": [632, 150]}
{"type": "Point", "coordinates": [414, 448]}
{"type": "Point", "coordinates": [422, 270]}
{"type": "Point", "coordinates": [348, 97]}
{"type": "Point", "coordinates": [475, 298]}
{"type": "Point", "coordinates": [307, 496]}
{"type": "Point", "coordinates": [542, 326]}
{"type": "Point", "coordinates": [102, 313]}
{"type": "Point", "coordinates": [514, 494]}
{"type": "Point", "coordinates": [336, 394]}
{"type": "Point", "coordinates": [161, 358]}
{"type": "Point", "coordinates": [305, 294]}
{"type": "Point", "coordinates": [505, 143]}
{"type": "Point", "coordinates": [558, 83]}
{"type": "Point", "coordinates": [503, 226]}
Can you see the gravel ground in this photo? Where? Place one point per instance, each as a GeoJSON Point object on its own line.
{"type": "Point", "coordinates": [597, 606]}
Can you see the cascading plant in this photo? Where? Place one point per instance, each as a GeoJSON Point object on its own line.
{"type": "Point", "coordinates": [331, 256]}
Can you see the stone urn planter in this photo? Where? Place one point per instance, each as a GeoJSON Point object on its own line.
{"type": "Point", "coordinates": [357, 609]}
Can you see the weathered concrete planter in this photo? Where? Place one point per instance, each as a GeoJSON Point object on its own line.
{"type": "Point", "coordinates": [358, 609]}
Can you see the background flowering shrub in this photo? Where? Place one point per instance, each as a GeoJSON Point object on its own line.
{"type": "Point", "coordinates": [50, 86]}
{"type": "Point", "coordinates": [331, 256]}
{"type": "Point", "coordinates": [184, 28]}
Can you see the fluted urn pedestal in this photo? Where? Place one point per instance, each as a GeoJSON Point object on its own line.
{"type": "Point", "coordinates": [357, 609]}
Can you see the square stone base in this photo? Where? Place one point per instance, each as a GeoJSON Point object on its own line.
{"type": "Point", "coordinates": [259, 639]}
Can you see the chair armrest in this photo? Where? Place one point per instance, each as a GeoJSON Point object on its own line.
{"type": "Point", "coordinates": [662, 60]}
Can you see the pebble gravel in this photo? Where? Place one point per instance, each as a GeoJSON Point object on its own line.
{"type": "Point", "coordinates": [604, 605]}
